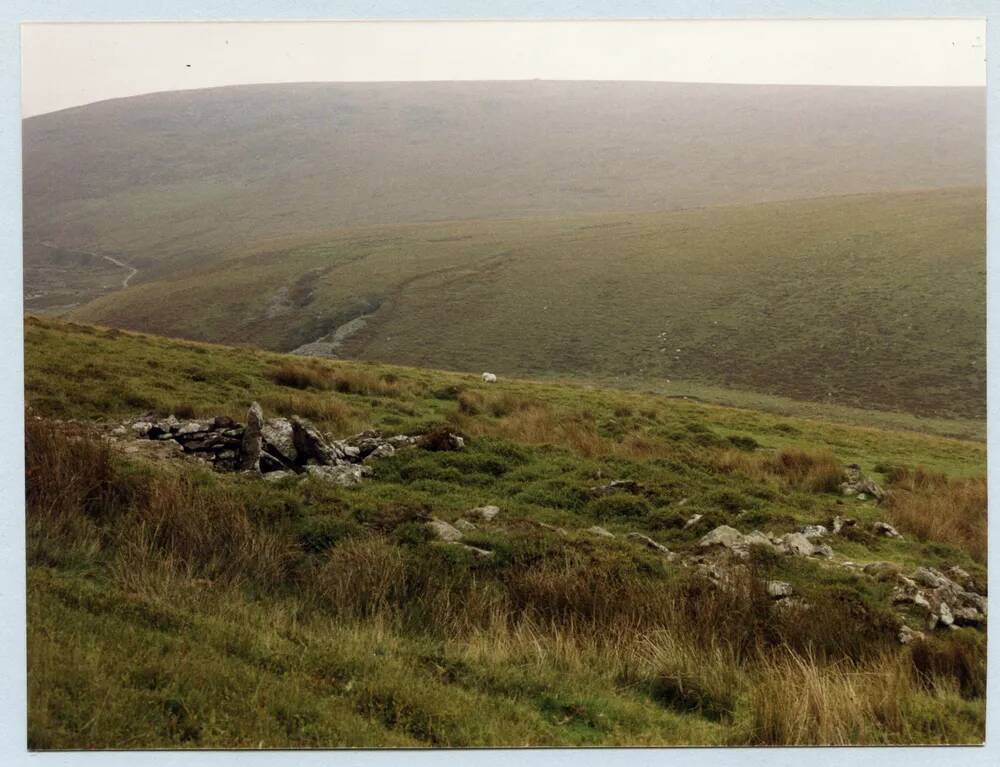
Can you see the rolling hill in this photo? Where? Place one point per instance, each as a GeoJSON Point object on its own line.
{"type": "Point", "coordinates": [872, 301]}
{"type": "Point", "coordinates": [824, 244]}
{"type": "Point", "coordinates": [166, 179]}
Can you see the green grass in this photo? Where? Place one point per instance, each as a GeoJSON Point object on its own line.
{"type": "Point", "coordinates": [172, 606]}
{"type": "Point", "coordinates": [837, 301]}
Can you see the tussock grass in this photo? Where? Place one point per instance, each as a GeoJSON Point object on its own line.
{"type": "Point", "coordinates": [623, 653]}
{"type": "Point", "coordinates": [935, 507]}
{"type": "Point", "coordinates": [816, 471]}
{"type": "Point", "coordinates": [326, 410]}
{"type": "Point", "coordinates": [537, 424]}
{"type": "Point", "coordinates": [300, 375]}
{"type": "Point", "coordinates": [363, 382]}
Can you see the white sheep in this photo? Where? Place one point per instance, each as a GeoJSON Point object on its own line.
{"type": "Point", "coordinates": [489, 378]}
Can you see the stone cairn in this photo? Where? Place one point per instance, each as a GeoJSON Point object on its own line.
{"type": "Point", "coordinates": [277, 447]}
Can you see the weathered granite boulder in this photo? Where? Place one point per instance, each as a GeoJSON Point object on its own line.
{"type": "Point", "coordinates": [600, 531]}
{"type": "Point", "coordinates": [485, 513]}
{"type": "Point", "coordinates": [343, 474]}
{"type": "Point", "coordinates": [444, 531]}
{"type": "Point", "coordinates": [649, 543]}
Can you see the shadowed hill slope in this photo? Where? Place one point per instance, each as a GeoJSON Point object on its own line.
{"type": "Point", "coordinates": [871, 301]}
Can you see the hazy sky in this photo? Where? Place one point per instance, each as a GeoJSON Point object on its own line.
{"type": "Point", "coordinates": [71, 64]}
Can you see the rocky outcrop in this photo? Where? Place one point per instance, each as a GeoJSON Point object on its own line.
{"type": "Point", "coordinates": [732, 540]}
{"type": "Point", "coordinates": [857, 484]}
{"type": "Point", "coordinates": [278, 448]}
{"type": "Point", "coordinates": [938, 599]}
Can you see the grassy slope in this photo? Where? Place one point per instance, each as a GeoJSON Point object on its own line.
{"type": "Point", "coordinates": [871, 301]}
{"type": "Point", "coordinates": [267, 660]}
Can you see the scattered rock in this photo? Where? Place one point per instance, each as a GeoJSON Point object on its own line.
{"type": "Point", "coordinates": [928, 578]}
{"type": "Point", "coordinates": [799, 545]}
{"type": "Point", "coordinates": [465, 526]}
{"type": "Point", "coordinates": [553, 528]}
{"type": "Point", "coordinates": [757, 538]}
{"type": "Point", "coordinates": [945, 614]}
{"type": "Point", "coordinates": [839, 523]}
{"type": "Point", "coordinates": [598, 530]}
{"type": "Point", "coordinates": [882, 570]}
{"type": "Point", "coordinates": [793, 604]}
{"type": "Point", "coordinates": [779, 589]}
{"type": "Point", "coordinates": [441, 440]}
{"type": "Point", "coordinates": [886, 530]}
{"type": "Point", "coordinates": [275, 476]}
{"type": "Point", "coordinates": [485, 513]}
{"type": "Point", "coordinates": [855, 483]}
{"type": "Point", "coordinates": [969, 616]}
{"type": "Point", "coordinates": [649, 543]}
{"type": "Point", "coordinates": [732, 540]}
{"type": "Point", "coordinates": [385, 450]}
{"type": "Point", "coordinates": [693, 520]}
{"type": "Point", "coordinates": [343, 474]}
{"type": "Point", "coordinates": [200, 427]}
{"type": "Point", "coordinates": [814, 531]}
{"type": "Point", "coordinates": [724, 535]}
{"type": "Point", "coordinates": [444, 531]}
{"type": "Point", "coordinates": [907, 635]}
{"type": "Point", "coordinates": [482, 553]}
{"type": "Point", "coordinates": [868, 486]}
{"type": "Point", "coordinates": [619, 485]}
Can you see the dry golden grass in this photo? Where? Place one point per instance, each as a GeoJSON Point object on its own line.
{"type": "Point", "coordinates": [360, 578]}
{"type": "Point", "coordinates": [526, 420]}
{"type": "Point", "coordinates": [813, 471]}
{"type": "Point", "coordinates": [354, 381]}
{"type": "Point", "coordinates": [300, 375]}
{"type": "Point", "coordinates": [934, 507]}
{"type": "Point", "coordinates": [203, 529]}
{"type": "Point", "coordinates": [537, 424]}
{"type": "Point", "coordinates": [325, 409]}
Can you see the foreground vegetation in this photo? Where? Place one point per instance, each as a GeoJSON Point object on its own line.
{"type": "Point", "coordinates": [169, 605]}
